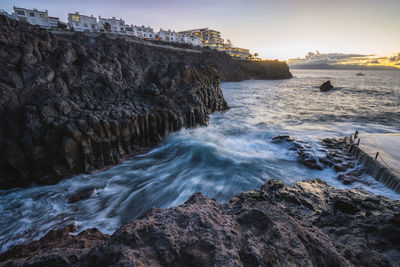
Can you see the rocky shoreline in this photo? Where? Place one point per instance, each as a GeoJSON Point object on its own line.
{"type": "Point", "coordinates": [75, 104]}
{"type": "Point", "coordinates": [308, 224]}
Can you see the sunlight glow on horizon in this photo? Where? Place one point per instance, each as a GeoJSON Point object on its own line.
{"type": "Point", "coordinates": [274, 29]}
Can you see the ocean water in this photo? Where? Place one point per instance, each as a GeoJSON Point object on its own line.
{"type": "Point", "coordinates": [233, 154]}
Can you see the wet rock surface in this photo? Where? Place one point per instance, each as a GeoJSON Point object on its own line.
{"type": "Point", "coordinates": [309, 224]}
{"type": "Point", "coordinates": [334, 153]}
{"type": "Point", "coordinates": [326, 86]}
{"type": "Point", "coordinates": [303, 149]}
{"type": "Point", "coordinates": [74, 104]}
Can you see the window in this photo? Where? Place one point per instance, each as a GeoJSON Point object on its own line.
{"type": "Point", "coordinates": [93, 26]}
{"type": "Point", "coordinates": [31, 14]}
{"type": "Point", "coordinates": [75, 18]}
{"type": "Point", "coordinates": [77, 24]}
{"type": "Point", "coordinates": [42, 16]}
{"type": "Point", "coordinates": [20, 12]}
{"type": "Point", "coordinates": [121, 24]}
{"type": "Point", "coordinates": [85, 25]}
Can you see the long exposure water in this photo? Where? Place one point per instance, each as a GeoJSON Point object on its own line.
{"type": "Point", "coordinates": [233, 154]}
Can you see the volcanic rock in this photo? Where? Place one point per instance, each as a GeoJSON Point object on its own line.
{"type": "Point", "coordinates": [76, 103]}
{"type": "Point", "coordinates": [326, 86]}
{"type": "Point", "coordinates": [308, 224]}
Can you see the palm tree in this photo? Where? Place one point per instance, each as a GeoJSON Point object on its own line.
{"type": "Point", "coordinates": [107, 26]}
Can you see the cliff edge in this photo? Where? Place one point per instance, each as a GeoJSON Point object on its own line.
{"type": "Point", "coordinates": [74, 104]}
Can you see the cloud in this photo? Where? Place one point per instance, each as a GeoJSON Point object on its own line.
{"type": "Point", "coordinates": [318, 58]}
{"type": "Point", "coordinates": [395, 58]}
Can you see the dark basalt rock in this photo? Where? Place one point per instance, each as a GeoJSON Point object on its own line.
{"type": "Point", "coordinates": [326, 86]}
{"type": "Point", "coordinates": [73, 104]}
{"type": "Point", "coordinates": [303, 149]}
{"type": "Point", "coordinates": [309, 224]}
{"type": "Point", "coordinates": [337, 156]}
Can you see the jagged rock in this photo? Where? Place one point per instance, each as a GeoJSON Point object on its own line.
{"type": "Point", "coordinates": [303, 149]}
{"type": "Point", "coordinates": [326, 86]}
{"type": "Point", "coordinates": [72, 94]}
{"type": "Point", "coordinates": [337, 156]}
{"type": "Point", "coordinates": [308, 224]}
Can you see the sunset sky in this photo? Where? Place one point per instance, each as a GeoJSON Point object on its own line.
{"type": "Point", "coordinates": [274, 29]}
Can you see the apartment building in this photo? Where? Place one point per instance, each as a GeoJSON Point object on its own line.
{"type": "Point", "coordinates": [8, 15]}
{"type": "Point", "coordinates": [116, 25]}
{"type": "Point", "coordinates": [32, 16]}
{"type": "Point", "coordinates": [53, 22]}
{"type": "Point", "coordinates": [208, 37]}
{"type": "Point", "coordinates": [168, 36]}
{"type": "Point", "coordinates": [237, 52]}
{"type": "Point", "coordinates": [82, 23]}
{"type": "Point", "coordinates": [187, 39]}
{"type": "Point", "coordinates": [146, 33]}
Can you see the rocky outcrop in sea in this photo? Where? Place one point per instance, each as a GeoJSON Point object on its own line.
{"type": "Point", "coordinates": [73, 103]}
{"type": "Point", "coordinates": [308, 224]}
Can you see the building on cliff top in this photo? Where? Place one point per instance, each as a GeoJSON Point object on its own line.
{"type": "Point", "coordinates": [209, 38]}
{"type": "Point", "coordinates": [187, 39]}
{"type": "Point", "coordinates": [212, 38]}
{"type": "Point", "coordinates": [8, 15]}
{"type": "Point", "coordinates": [237, 52]}
{"type": "Point", "coordinates": [32, 16]}
{"type": "Point", "coordinates": [168, 36]}
{"type": "Point", "coordinates": [144, 32]}
{"type": "Point", "coordinates": [53, 22]}
{"type": "Point", "coordinates": [116, 25]}
{"type": "Point", "coordinates": [82, 23]}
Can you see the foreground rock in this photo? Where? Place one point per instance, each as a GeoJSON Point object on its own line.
{"type": "Point", "coordinates": [74, 104]}
{"type": "Point", "coordinates": [309, 224]}
{"type": "Point", "coordinates": [326, 86]}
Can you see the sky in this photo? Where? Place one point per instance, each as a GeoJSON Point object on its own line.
{"type": "Point", "coordinates": [275, 29]}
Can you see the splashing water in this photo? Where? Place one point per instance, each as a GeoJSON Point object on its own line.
{"type": "Point", "coordinates": [232, 155]}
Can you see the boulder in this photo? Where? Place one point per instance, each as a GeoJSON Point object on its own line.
{"type": "Point", "coordinates": [326, 86]}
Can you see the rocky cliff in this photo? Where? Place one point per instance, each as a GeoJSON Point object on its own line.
{"type": "Point", "coordinates": [73, 104]}
{"type": "Point", "coordinates": [309, 224]}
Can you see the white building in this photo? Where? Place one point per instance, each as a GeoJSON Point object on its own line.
{"type": "Point", "coordinates": [131, 30]}
{"type": "Point", "coordinates": [82, 23]}
{"type": "Point", "coordinates": [168, 36]}
{"type": "Point", "coordinates": [116, 25]}
{"type": "Point", "coordinates": [53, 22]}
{"type": "Point", "coordinates": [33, 16]}
{"type": "Point", "coordinates": [187, 39]}
{"type": "Point", "coordinates": [8, 15]}
{"type": "Point", "coordinates": [146, 33]}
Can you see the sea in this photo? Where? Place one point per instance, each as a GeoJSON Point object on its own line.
{"type": "Point", "coordinates": [234, 153]}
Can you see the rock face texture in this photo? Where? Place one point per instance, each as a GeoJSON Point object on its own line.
{"type": "Point", "coordinates": [309, 224]}
{"type": "Point", "coordinates": [326, 86]}
{"type": "Point", "coordinates": [73, 104]}
{"type": "Point", "coordinates": [338, 154]}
